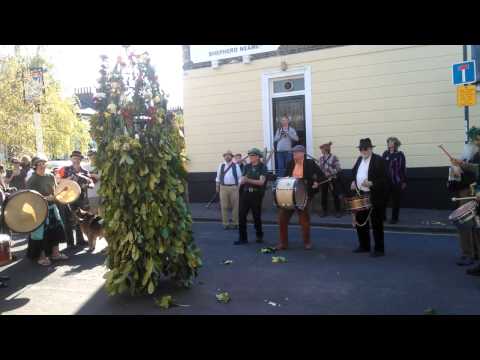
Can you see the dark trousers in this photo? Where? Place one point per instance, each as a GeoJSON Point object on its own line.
{"type": "Point", "coordinates": [326, 188]}
{"type": "Point", "coordinates": [284, 217]}
{"type": "Point", "coordinates": [250, 201]}
{"type": "Point", "coordinates": [363, 232]}
{"type": "Point", "coordinates": [395, 194]}
{"type": "Point", "coordinates": [71, 226]}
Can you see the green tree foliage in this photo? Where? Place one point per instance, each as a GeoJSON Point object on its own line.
{"type": "Point", "coordinates": [63, 131]}
{"type": "Point", "coordinates": [141, 160]}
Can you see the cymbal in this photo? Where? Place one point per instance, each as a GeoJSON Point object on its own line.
{"type": "Point", "coordinates": [67, 191]}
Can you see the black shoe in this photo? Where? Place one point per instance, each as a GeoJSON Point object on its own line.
{"type": "Point", "coordinates": [393, 221]}
{"type": "Point", "coordinates": [324, 214]}
{"type": "Point", "coordinates": [338, 215]}
{"type": "Point", "coordinates": [3, 285]}
{"type": "Point", "coordinates": [465, 261]}
{"type": "Point", "coordinates": [377, 254]}
{"type": "Point", "coordinates": [4, 278]}
{"type": "Point", "coordinates": [240, 242]}
{"type": "Point", "coordinates": [259, 240]}
{"type": "Point", "coordinates": [475, 271]}
{"type": "Point", "coordinates": [361, 250]}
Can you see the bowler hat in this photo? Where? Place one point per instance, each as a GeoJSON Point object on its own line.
{"type": "Point", "coordinates": [77, 154]}
{"type": "Point", "coordinates": [255, 151]}
{"type": "Point", "coordinates": [365, 144]}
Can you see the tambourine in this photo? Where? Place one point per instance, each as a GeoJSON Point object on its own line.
{"type": "Point", "coordinates": [67, 191]}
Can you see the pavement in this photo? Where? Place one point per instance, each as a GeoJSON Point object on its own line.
{"type": "Point", "coordinates": [418, 273]}
{"type": "Point", "coordinates": [411, 220]}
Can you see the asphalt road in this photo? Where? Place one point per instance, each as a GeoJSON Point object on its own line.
{"type": "Point", "coordinates": [418, 273]}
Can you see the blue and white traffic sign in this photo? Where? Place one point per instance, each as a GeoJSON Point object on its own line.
{"type": "Point", "coordinates": [464, 73]}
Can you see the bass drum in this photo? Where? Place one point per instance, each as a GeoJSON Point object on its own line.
{"type": "Point", "coordinates": [290, 193]}
{"type": "Point", "coordinates": [24, 211]}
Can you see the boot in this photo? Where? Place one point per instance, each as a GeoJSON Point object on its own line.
{"type": "Point", "coordinates": [475, 271]}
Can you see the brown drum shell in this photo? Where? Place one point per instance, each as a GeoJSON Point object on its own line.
{"type": "Point", "coordinates": [25, 211]}
{"type": "Point", "coordinates": [358, 203]}
{"type": "Point", "coordinates": [5, 253]}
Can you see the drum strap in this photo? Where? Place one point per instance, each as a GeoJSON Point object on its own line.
{"type": "Point", "coordinates": [366, 221]}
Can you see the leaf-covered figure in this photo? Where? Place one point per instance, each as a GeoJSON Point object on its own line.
{"type": "Point", "coordinates": [141, 160]}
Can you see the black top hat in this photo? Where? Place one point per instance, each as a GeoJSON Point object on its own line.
{"type": "Point", "coordinates": [365, 143]}
{"type": "Point", "coordinates": [77, 153]}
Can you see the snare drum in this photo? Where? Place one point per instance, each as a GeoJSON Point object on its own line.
{"type": "Point", "coordinates": [24, 211]}
{"type": "Point", "coordinates": [464, 216]}
{"type": "Point", "coordinates": [358, 203]}
{"type": "Point", "coordinates": [290, 193]}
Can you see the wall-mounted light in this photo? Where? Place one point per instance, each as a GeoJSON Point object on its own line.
{"type": "Point", "coordinates": [246, 59]}
{"type": "Point", "coordinates": [215, 64]}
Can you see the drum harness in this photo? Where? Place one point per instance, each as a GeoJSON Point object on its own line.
{"type": "Point", "coordinates": [354, 218]}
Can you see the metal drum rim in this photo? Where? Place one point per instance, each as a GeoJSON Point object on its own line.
{"type": "Point", "coordinates": [16, 194]}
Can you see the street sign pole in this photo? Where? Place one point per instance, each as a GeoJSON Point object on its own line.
{"type": "Point", "coordinates": [466, 121]}
{"type": "Point", "coordinates": [37, 122]}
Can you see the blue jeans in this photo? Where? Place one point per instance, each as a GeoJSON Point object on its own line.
{"type": "Point", "coordinates": [283, 157]}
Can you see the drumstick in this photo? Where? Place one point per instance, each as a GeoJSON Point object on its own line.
{"type": "Point", "coordinates": [463, 198]}
{"type": "Point", "coordinates": [446, 152]}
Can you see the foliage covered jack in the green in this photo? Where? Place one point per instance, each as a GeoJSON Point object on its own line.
{"type": "Point", "coordinates": [141, 160]}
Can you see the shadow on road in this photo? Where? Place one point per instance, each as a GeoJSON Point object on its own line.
{"type": "Point", "coordinates": [24, 273]}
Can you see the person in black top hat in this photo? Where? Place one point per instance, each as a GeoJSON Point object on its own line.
{"type": "Point", "coordinates": [370, 177]}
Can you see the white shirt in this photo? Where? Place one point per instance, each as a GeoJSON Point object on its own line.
{"type": "Point", "coordinates": [29, 174]}
{"type": "Point", "coordinates": [362, 173]}
{"type": "Point", "coordinates": [228, 179]}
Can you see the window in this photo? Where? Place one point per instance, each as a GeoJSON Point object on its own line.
{"type": "Point", "coordinates": [288, 85]}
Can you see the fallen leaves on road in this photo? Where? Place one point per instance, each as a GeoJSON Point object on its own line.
{"type": "Point", "coordinates": [227, 262]}
{"type": "Point", "coordinates": [267, 250]}
{"type": "Point", "coordinates": [430, 311]}
{"type": "Point", "coordinates": [223, 297]}
{"type": "Point", "coordinates": [165, 302]}
{"type": "Point", "coordinates": [278, 259]}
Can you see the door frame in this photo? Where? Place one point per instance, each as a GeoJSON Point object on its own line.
{"type": "Point", "coordinates": [267, 111]}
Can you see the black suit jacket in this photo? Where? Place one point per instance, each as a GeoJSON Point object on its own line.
{"type": "Point", "coordinates": [311, 173]}
{"type": "Point", "coordinates": [377, 174]}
